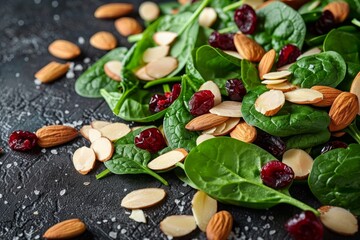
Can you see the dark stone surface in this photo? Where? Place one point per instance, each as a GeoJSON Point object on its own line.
{"type": "Point", "coordinates": [41, 188]}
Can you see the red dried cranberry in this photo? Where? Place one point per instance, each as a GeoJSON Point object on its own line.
{"type": "Point", "coordinates": [175, 92]}
{"type": "Point", "coordinates": [201, 102]}
{"type": "Point", "coordinates": [288, 54]}
{"type": "Point", "coordinates": [151, 140]}
{"type": "Point", "coordinates": [276, 174]}
{"type": "Point", "coordinates": [274, 145]}
{"type": "Point", "coordinates": [235, 89]}
{"type": "Point", "coordinates": [22, 140]}
{"type": "Point", "coordinates": [333, 145]}
{"type": "Point", "coordinates": [324, 24]}
{"type": "Point", "coordinates": [158, 103]}
{"type": "Point", "coordinates": [305, 226]}
{"type": "Point", "coordinates": [223, 41]}
{"type": "Point", "coordinates": [245, 19]}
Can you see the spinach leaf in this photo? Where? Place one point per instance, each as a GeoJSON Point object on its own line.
{"type": "Point", "coordinates": [94, 78]}
{"type": "Point", "coordinates": [334, 178]}
{"type": "Point", "coordinates": [232, 174]}
{"type": "Point", "coordinates": [319, 5]}
{"type": "Point", "coordinates": [327, 68]}
{"type": "Point", "coordinates": [292, 119]}
{"type": "Point", "coordinates": [279, 25]}
{"type": "Point", "coordinates": [308, 140]}
{"type": "Point", "coordinates": [249, 75]}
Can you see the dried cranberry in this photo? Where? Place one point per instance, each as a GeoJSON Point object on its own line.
{"type": "Point", "coordinates": [305, 226]}
{"type": "Point", "coordinates": [151, 140]}
{"type": "Point", "coordinates": [22, 140]}
{"type": "Point", "coordinates": [175, 92]}
{"type": "Point", "coordinates": [333, 145]}
{"type": "Point", "coordinates": [324, 24]}
{"type": "Point", "coordinates": [274, 145]}
{"type": "Point", "coordinates": [223, 41]}
{"type": "Point", "coordinates": [276, 174]}
{"type": "Point", "coordinates": [201, 102]}
{"type": "Point", "coordinates": [158, 103]}
{"type": "Point", "coordinates": [245, 19]}
{"type": "Point", "coordinates": [235, 89]}
{"type": "Point", "coordinates": [288, 54]}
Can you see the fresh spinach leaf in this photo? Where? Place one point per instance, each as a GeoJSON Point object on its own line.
{"type": "Point", "coordinates": [334, 178]}
{"type": "Point", "coordinates": [307, 140]}
{"type": "Point", "coordinates": [249, 75]}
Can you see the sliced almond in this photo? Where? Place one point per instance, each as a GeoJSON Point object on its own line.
{"type": "Point", "coordinates": [244, 132]}
{"type": "Point", "coordinates": [84, 131]}
{"type": "Point", "coordinates": [227, 109]}
{"type": "Point", "coordinates": [103, 40]}
{"type": "Point", "coordinates": [277, 81]}
{"type": "Point", "coordinates": [234, 54]}
{"type": "Point", "coordinates": [164, 38]}
{"type": "Point", "coordinates": [339, 9]}
{"type": "Point", "coordinates": [161, 67]}
{"type": "Point", "coordinates": [355, 88]}
{"type": "Point", "coordinates": [284, 87]}
{"type": "Point", "coordinates": [112, 69]}
{"type": "Point", "coordinates": [207, 17]}
{"type": "Point", "coordinates": [70, 228]}
{"type": "Point", "coordinates": [143, 198]}
{"type": "Point", "coordinates": [127, 26]}
{"type": "Point", "coordinates": [113, 10]}
{"type": "Point", "coordinates": [168, 160]}
{"type": "Point", "coordinates": [266, 63]}
{"type": "Point", "coordinates": [103, 149]}
{"type": "Point", "coordinates": [64, 49]}
{"type": "Point", "coordinates": [304, 96]}
{"type": "Point", "coordinates": [98, 124]}
{"type": "Point", "coordinates": [138, 215]}
{"type": "Point", "coordinates": [205, 121]}
{"type": "Point", "coordinates": [203, 208]}
{"type": "Point", "coordinates": [52, 71]}
{"type": "Point", "coordinates": [329, 95]}
{"type": "Point", "coordinates": [149, 11]}
{"type": "Point", "coordinates": [310, 52]}
{"type": "Point", "coordinates": [277, 75]}
{"type": "Point", "coordinates": [178, 225]}
{"type": "Point", "coordinates": [339, 220]}
{"type": "Point", "coordinates": [203, 138]}
{"type": "Point", "coordinates": [142, 75]}
{"type": "Point", "coordinates": [248, 48]}
{"type": "Point", "coordinates": [115, 131]}
{"type": "Point", "coordinates": [269, 103]}
{"type": "Point", "coordinates": [84, 160]}
{"type": "Point", "coordinates": [211, 131]}
{"type": "Point", "coordinates": [94, 134]}
{"type": "Point", "coordinates": [211, 86]}
{"type": "Point", "coordinates": [229, 126]}
{"type": "Point", "coordinates": [285, 67]}
{"type": "Point", "coordinates": [219, 128]}
{"type": "Point", "coordinates": [155, 53]}
{"type": "Point", "coordinates": [300, 162]}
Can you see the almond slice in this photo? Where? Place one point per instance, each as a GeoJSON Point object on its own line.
{"type": "Point", "coordinates": [143, 198]}
{"type": "Point", "coordinates": [211, 86]}
{"type": "Point", "coordinates": [244, 132]}
{"type": "Point", "coordinates": [84, 160]}
{"type": "Point", "coordinates": [248, 48]}
{"type": "Point", "coordinates": [70, 228]}
{"type": "Point", "coordinates": [227, 109]}
{"type": "Point", "coordinates": [284, 87]}
{"type": "Point", "coordinates": [103, 40]}
{"type": "Point", "coordinates": [300, 162]}
{"type": "Point", "coordinates": [329, 95]}
{"type": "Point", "coordinates": [207, 17]}
{"type": "Point", "coordinates": [94, 135]}
{"type": "Point", "coordinates": [103, 149]}
{"type": "Point", "coordinates": [277, 81]}
{"type": "Point", "coordinates": [285, 67]}
{"type": "Point", "coordinates": [234, 54]}
{"type": "Point", "coordinates": [304, 96]}
{"type": "Point", "coordinates": [168, 160]}
{"type": "Point", "coordinates": [310, 52]}
{"type": "Point", "coordinates": [338, 220]}
{"type": "Point", "coordinates": [84, 131]}
{"type": "Point", "coordinates": [155, 53]}
{"type": "Point", "coordinates": [203, 208]}
{"type": "Point", "coordinates": [142, 75]}
{"type": "Point", "coordinates": [205, 121]}
{"type": "Point", "coordinates": [113, 10]}
{"type": "Point", "coordinates": [98, 124]}
{"type": "Point", "coordinates": [211, 131]}
{"type": "Point", "coordinates": [64, 49]}
{"type": "Point", "coordinates": [115, 131]}
{"type": "Point", "coordinates": [161, 67]}
{"type": "Point", "coordinates": [127, 26]}
{"type": "Point", "coordinates": [149, 11]}
{"type": "Point", "coordinates": [229, 126]}
{"type": "Point", "coordinates": [355, 88]}
{"type": "Point", "coordinates": [203, 138]}
{"type": "Point", "coordinates": [266, 63]}
{"type": "Point", "coordinates": [164, 38]}
{"type": "Point", "coordinates": [269, 103]}
{"type": "Point", "coordinates": [178, 225]}
{"type": "Point", "coordinates": [138, 215]}
{"type": "Point", "coordinates": [277, 75]}
{"type": "Point", "coordinates": [112, 69]}
{"type": "Point", "coordinates": [52, 71]}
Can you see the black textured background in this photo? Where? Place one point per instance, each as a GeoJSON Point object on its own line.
{"type": "Point", "coordinates": [41, 188]}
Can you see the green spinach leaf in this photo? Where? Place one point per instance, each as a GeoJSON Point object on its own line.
{"type": "Point", "coordinates": [308, 140]}
{"type": "Point", "coordinates": [249, 75]}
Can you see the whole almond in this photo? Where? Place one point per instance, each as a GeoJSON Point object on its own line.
{"type": "Point", "coordinates": [244, 132]}
{"type": "Point", "coordinates": [113, 10]}
{"type": "Point", "coordinates": [54, 135]}
{"type": "Point", "coordinates": [339, 9]}
{"type": "Point", "coordinates": [248, 48]}
{"type": "Point", "coordinates": [339, 220]}
{"type": "Point", "coordinates": [205, 121]}
{"type": "Point", "coordinates": [66, 229]}
{"type": "Point", "coordinates": [52, 71]}
{"type": "Point", "coordinates": [343, 111]}
{"type": "Point", "coordinates": [128, 26]}
{"type": "Point", "coordinates": [355, 88]}
{"type": "Point", "coordinates": [64, 49]}
{"type": "Point", "coordinates": [219, 226]}
{"type": "Point", "coordinates": [329, 95]}
{"type": "Point", "coordinates": [266, 63]}
{"type": "Point", "coordinates": [103, 40]}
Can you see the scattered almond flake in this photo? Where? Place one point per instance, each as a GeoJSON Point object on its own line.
{"type": "Point", "coordinates": [66, 112]}
{"type": "Point", "coordinates": [56, 17]}
{"type": "Point", "coordinates": [248, 219]}
{"type": "Point", "coordinates": [86, 183]}
{"type": "Point", "coordinates": [87, 60]}
{"type": "Point", "coordinates": [78, 67]}
{"type": "Point", "coordinates": [8, 165]}
{"type": "Point", "coordinates": [138, 216]}
{"type": "Point", "coordinates": [98, 222]}
{"type": "Point", "coordinates": [36, 213]}
{"type": "Point", "coordinates": [62, 192]}
{"type": "Point", "coordinates": [54, 4]}
{"type": "Point", "coordinates": [113, 235]}
{"type": "Point", "coordinates": [17, 75]}
{"type": "Point", "coordinates": [81, 40]}
{"type": "Point", "coordinates": [54, 151]}
{"type": "Point", "coordinates": [70, 74]}
{"type": "Point", "coordinates": [272, 232]}
{"type": "Point", "coordinates": [113, 219]}
{"type": "Point", "coordinates": [123, 231]}
{"type": "Point", "coordinates": [37, 82]}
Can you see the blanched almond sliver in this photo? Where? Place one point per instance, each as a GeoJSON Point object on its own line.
{"type": "Point", "coordinates": [304, 96]}
{"type": "Point", "coordinates": [112, 69]}
{"type": "Point", "coordinates": [84, 131]}
{"type": "Point", "coordinates": [203, 208]}
{"type": "Point", "coordinates": [210, 131]}
{"type": "Point", "coordinates": [84, 160]}
{"type": "Point", "coordinates": [98, 124]}
{"type": "Point", "coordinates": [269, 103]}
{"type": "Point", "coordinates": [207, 17]}
{"type": "Point", "coordinates": [115, 131]}
{"type": "Point", "coordinates": [227, 109]}
{"type": "Point", "coordinates": [310, 52]}
{"type": "Point", "coordinates": [355, 88]}
{"type": "Point", "coordinates": [285, 67]}
{"type": "Point", "coordinates": [339, 220]}
{"type": "Point", "coordinates": [229, 126]}
{"type": "Point", "coordinates": [277, 81]}
{"type": "Point", "coordinates": [161, 67]}
{"type": "Point", "coordinates": [210, 85]}
{"type": "Point", "coordinates": [138, 215]}
{"type": "Point", "coordinates": [203, 138]}
{"type": "Point", "coordinates": [94, 135]}
{"type": "Point", "coordinates": [103, 149]}
{"type": "Point", "coordinates": [277, 75]}
{"type": "Point", "coordinates": [234, 54]}
{"type": "Point", "coordinates": [149, 11]}
{"type": "Point", "coordinates": [164, 38]}
{"type": "Point", "coordinates": [142, 75]}
{"type": "Point", "coordinates": [284, 87]}
{"type": "Point", "coordinates": [178, 225]}
{"type": "Point", "coordinates": [300, 162]}
{"type": "Point", "coordinates": [143, 198]}
{"type": "Point", "coordinates": [168, 160]}
{"type": "Point", "coordinates": [155, 53]}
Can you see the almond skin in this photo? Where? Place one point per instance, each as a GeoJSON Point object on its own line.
{"type": "Point", "coordinates": [266, 63]}
{"type": "Point", "coordinates": [339, 9]}
{"type": "Point", "coordinates": [205, 121]}
{"type": "Point", "coordinates": [248, 48]}
{"type": "Point", "coordinates": [103, 40]}
{"type": "Point", "coordinates": [64, 49]}
{"type": "Point", "coordinates": [329, 95]}
{"type": "Point", "coordinates": [54, 135]}
{"type": "Point", "coordinates": [343, 111]}
{"type": "Point", "coordinates": [113, 10]}
{"type": "Point", "coordinates": [219, 226]}
{"type": "Point", "coordinates": [52, 71]}
{"type": "Point", "coordinates": [66, 229]}
{"type": "Point", "coordinates": [244, 132]}
{"type": "Point", "coordinates": [127, 26]}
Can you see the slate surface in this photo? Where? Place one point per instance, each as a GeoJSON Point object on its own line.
{"type": "Point", "coordinates": [41, 188]}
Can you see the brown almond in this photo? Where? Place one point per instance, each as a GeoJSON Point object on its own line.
{"type": "Point", "coordinates": [343, 111]}
{"type": "Point", "coordinates": [54, 135]}
{"type": "Point", "coordinates": [355, 88]}
{"type": "Point", "coordinates": [244, 132]}
{"type": "Point", "coordinates": [266, 63]}
{"type": "Point", "coordinates": [219, 226]}
{"type": "Point", "coordinates": [127, 26]}
{"type": "Point", "coordinates": [66, 229]}
{"type": "Point", "coordinates": [329, 95]}
{"type": "Point", "coordinates": [52, 71]}
{"type": "Point", "coordinates": [113, 10]}
{"type": "Point", "coordinates": [339, 9]}
{"type": "Point", "coordinates": [183, 2]}
{"type": "Point", "coordinates": [64, 49]}
{"type": "Point", "coordinates": [205, 121]}
{"type": "Point", "coordinates": [103, 40]}
{"type": "Point", "coordinates": [248, 48]}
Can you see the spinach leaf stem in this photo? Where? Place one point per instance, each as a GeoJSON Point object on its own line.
{"type": "Point", "coordinates": [103, 174]}
{"type": "Point", "coordinates": [162, 81]}
{"type": "Point", "coordinates": [232, 6]}
{"type": "Point", "coordinates": [166, 88]}
{"type": "Point", "coordinates": [135, 38]}
{"type": "Point", "coordinates": [355, 22]}
{"type": "Point", "coordinates": [353, 131]}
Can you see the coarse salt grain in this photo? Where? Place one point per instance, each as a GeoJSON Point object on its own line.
{"type": "Point", "coordinates": [113, 235]}
{"type": "Point", "coordinates": [62, 192]}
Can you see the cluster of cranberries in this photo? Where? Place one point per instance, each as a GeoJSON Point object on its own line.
{"type": "Point", "coordinates": [159, 102]}
{"type": "Point", "coordinates": [151, 140]}
{"type": "Point", "coordinates": [22, 140]}
{"type": "Point", "coordinates": [305, 226]}
{"type": "Point", "coordinates": [235, 89]}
